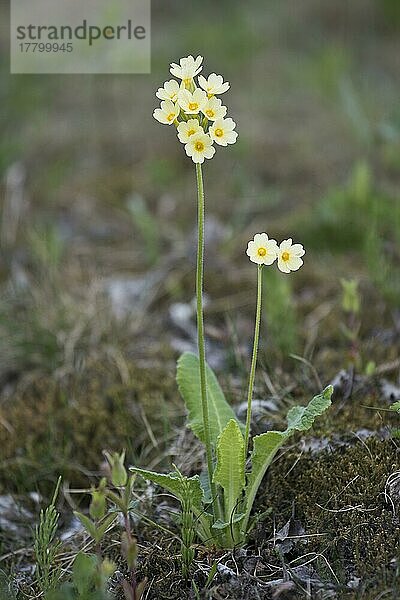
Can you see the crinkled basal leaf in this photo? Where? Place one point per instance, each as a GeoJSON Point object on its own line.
{"type": "Point", "coordinates": [219, 411]}
{"type": "Point", "coordinates": [229, 472]}
{"type": "Point", "coordinates": [265, 446]}
{"type": "Point", "coordinates": [174, 484]}
{"type": "Point", "coordinates": [395, 407]}
{"type": "Point", "coordinates": [302, 417]}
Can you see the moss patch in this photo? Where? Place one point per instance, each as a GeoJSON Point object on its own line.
{"type": "Point", "coordinates": [61, 427]}
{"type": "Point", "coordinates": [340, 495]}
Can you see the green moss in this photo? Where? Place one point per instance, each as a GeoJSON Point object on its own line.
{"type": "Point", "coordinates": [61, 427]}
{"type": "Point", "coordinates": [340, 496]}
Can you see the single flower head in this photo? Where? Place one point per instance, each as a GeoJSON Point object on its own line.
{"type": "Point", "coordinates": [262, 250]}
{"type": "Point", "coordinates": [213, 109]}
{"type": "Point", "coordinates": [188, 128]}
{"type": "Point", "coordinates": [167, 113]}
{"type": "Point", "coordinates": [289, 256]}
{"type": "Point", "coordinates": [221, 132]}
{"type": "Point", "coordinates": [214, 84]}
{"type": "Point", "coordinates": [199, 147]}
{"type": "Point", "coordinates": [169, 91]}
{"type": "Point", "coordinates": [187, 69]}
{"type": "Point", "coordinates": [192, 102]}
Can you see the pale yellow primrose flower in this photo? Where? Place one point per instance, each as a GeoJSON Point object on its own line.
{"type": "Point", "coordinates": [187, 69]}
{"type": "Point", "coordinates": [169, 91]}
{"type": "Point", "coordinates": [192, 103]}
{"type": "Point", "coordinates": [289, 256]}
{"type": "Point", "coordinates": [199, 147]}
{"type": "Point", "coordinates": [167, 113]}
{"type": "Point", "coordinates": [214, 84]}
{"type": "Point", "coordinates": [187, 129]}
{"type": "Point", "coordinates": [261, 250]}
{"type": "Point", "coordinates": [183, 100]}
{"type": "Point", "coordinates": [213, 109]}
{"type": "Point", "coordinates": [222, 132]}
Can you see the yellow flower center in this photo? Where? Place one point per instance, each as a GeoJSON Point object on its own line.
{"type": "Point", "coordinates": [193, 106]}
{"type": "Point", "coordinates": [285, 256]}
{"type": "Point", "coordinates": [218, 132]}
{"type": "Point", "coordinates": [191, 132]}
{"type": "Point", "coordinates": [199, 146]}
{"type": "Point", "coordinates": [171, 117]}
{"type": "Point", "coordinates": [262, 251]}
{"type": "Point", "coordinates": [210, 113]}
{"type": "Point", "coordinates": [187, 81]}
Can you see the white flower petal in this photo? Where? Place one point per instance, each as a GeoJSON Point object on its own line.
{"type": "Point", "coordinates": [286, 244]}
{"type": "Point", "coordinates": [298, 250]}
{"type": "Point", "coordinates": [294, 263]}
{"type": "Point", "coordinates": [261, 239]}
{"type": "Point", "coordinates": [282, 265]}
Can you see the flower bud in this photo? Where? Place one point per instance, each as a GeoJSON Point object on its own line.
{"type": "Point", "coordinates": [108, 568]}
{"type": "Point", "coordinates": [350, 296]}
{"type": "Point", "coordinates": [116, 461]}
{"type": "Point", "coordinates": [129, 550]}
{"type": "Point", "coordinates": [97, 508]}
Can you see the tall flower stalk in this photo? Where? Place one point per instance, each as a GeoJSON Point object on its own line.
{"type": "Point", "coordinates": [253, 358]}
{"type": "Point", "coordinates": [200, 324]}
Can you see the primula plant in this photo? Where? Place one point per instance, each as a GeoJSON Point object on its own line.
{"type": "Point", "coordinates": [221, 498]}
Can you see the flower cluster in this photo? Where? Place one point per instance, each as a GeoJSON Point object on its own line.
{"type": "Point", "coordinates": [264, 251]}
{"type": "Point", "coordinates": [199, 116]}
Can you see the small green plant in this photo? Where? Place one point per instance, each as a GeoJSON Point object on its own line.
{"type": "Point", "coordinates": [88, 580]}
{"type": "Point", "coordinates": [107, 501]}
{"type": "Point", "coordinates": [187, 525]}
{"type": "Point", "coordinates": [222, 498]}
{"type": "Point", "coordinates": [46, 546]}
{"type": "Point", "coordinates": [351, 306]}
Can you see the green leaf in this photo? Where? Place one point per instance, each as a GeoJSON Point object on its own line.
{"type": "Point", "coordinates": [174, 484]}
{"type": "Point", "coordinates": [395, 406]}
{"type": "Point", "coordinates": [105, 524]}
{"type": "Point", "coordinates": [87, 523]}
{"type": "Point", "coordinates": [229, 472]}
{"type": "Point", "coordinates": [205, 486]}
{"type": "Point", "coordinates": [212, 573]}
{"type": "Point", "coordinates": [219, 411]}
{"type": "Point", "coordinates": [266, 445]}
{"type": "Point", "coordinates": [301, 418]}
{"type": "Point", "coordinates": [84, 572]}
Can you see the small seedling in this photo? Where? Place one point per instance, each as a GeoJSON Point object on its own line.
{"type": "Point", "coordinates": [46, 546]}
{"type": "Point", "coordinates": [107, 502]}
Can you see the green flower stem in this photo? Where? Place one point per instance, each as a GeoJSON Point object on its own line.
{"type": "Point", "coordinates": [253, 358]}
{"type": "Point", "coordinates": [200, 329]}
